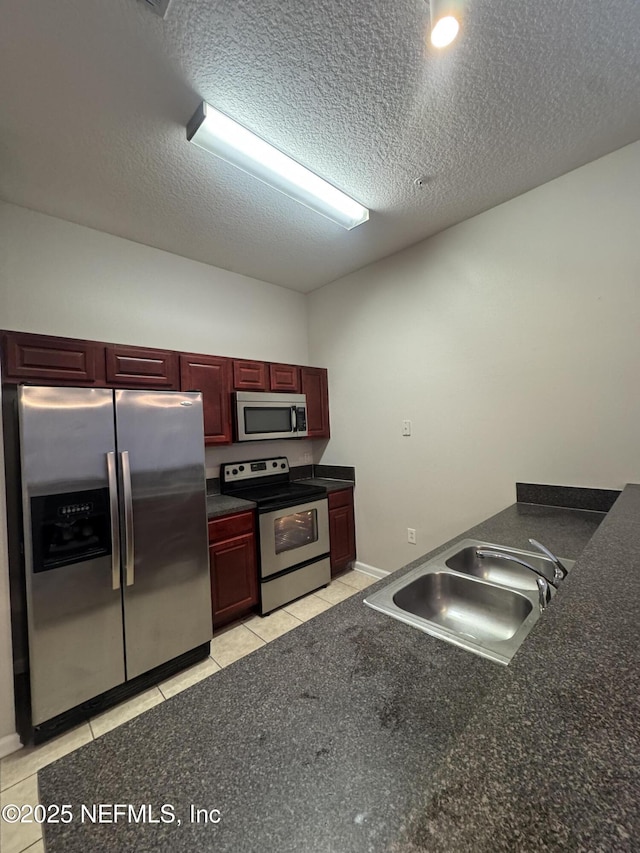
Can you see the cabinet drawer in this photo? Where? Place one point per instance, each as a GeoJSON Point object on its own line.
{"type": "Point", "coordinates": [133, 367]}
{"type": "Point", "coordinates": [230, 525]}
{"type": "Point", "coordinates": [38, 358]}
{"type": "Point", "coordinates": [343, 497]}
{"type": "Point", "coordinates": [284, 377]}
{"type": "Point", "coordinates": [249, 375]}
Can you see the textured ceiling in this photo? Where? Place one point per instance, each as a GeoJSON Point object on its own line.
{"type": "Point", "coordinates": [95, 97]}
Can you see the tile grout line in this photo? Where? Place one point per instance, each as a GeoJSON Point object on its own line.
{"type": "Point", "coordinates": [299, 621]}
{"type": "Point", "coordinates": [20, 782]}
{"type": "Point", "coordinates": [255, 635]}
{"type": "Point", "coordinates": [31, 846]}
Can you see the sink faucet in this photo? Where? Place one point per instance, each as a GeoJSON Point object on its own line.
{"type": "Point", "coordinates": [543, 584]}
{"type": "Point", "coordinates": [559, 571]}
{"type": "Point", "coordinates": [544, 593]}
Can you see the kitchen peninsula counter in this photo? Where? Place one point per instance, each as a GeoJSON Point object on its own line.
{"type": "Point", "coordinates": [355, 732]}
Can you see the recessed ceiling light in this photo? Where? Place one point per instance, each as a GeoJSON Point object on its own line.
{"type": "Point", "coordinates": [220, 135]}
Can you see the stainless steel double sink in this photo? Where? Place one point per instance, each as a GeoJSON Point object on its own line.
{"type": "Point", "coordinates": [487, 605]}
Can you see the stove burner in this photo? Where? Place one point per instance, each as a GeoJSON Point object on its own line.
{"type": "Point", "coordinates": [283, 494]}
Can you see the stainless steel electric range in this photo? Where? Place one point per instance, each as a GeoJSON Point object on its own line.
{"type": "Point", "coordinates": [293, 528]}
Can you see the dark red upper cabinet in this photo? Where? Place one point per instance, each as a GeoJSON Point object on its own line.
{"type": "Point", "coordinates": [284, 377]}
{"type": "Point", "coordinates": [210, 374]}
{"type": "Point", "coordinates": [132, 367]}
{"type": "Point", "coordinates": [40, 358]}
{"type": "Point", "coordinates": [313, 383]}
{"type": "Point", "coordinates": [249, 375]}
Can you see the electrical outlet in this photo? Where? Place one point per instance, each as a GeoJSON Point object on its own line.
{"type": "Point", "coordinates": [308, 459]}
{"type": "Point", "coordinates": [406, 427]}
{"type": "Point", "coordinates": [411, 536]}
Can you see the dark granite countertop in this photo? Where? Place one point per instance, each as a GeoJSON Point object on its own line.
{"type": "Point", "coordinates": [329, 485]}
{"type": "Point", "coordinates": [551, 760]}
{"type": "Point", "coordinates": [218, 505]}
{"type": "Point", "coordinates": [357, 733]}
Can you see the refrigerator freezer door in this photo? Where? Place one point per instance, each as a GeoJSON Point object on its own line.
{"type": "Point", "coordinates": [74, 614]}
{"type": "Point", "coordinates": [167, 597]}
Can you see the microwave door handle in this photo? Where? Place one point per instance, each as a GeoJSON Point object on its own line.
{"type": "Point", "coordinates": [294, 419]}
{"type": "Point", "coordinates": [129, 551]}
{"type": "Point", "coordinates": [115, 520]}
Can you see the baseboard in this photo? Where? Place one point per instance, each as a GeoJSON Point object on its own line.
{"type": "Point", "coordinates": [370, 570]}
{"type": "Point", "coordinates": [9, 744]}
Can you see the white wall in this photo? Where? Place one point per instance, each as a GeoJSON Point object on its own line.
{"type": "Point", "coordinates": [512, 342]}
{"type": "Point", "coordinates": [62, 279]}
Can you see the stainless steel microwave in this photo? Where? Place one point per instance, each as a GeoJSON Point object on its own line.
{"type": "Point", "coordinates": [260, 415]}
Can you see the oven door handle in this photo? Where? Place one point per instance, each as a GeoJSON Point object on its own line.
{"type": "Point", "coordinates": [294, 419]}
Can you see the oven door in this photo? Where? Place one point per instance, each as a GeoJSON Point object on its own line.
{"type": "Point", "coordinates": [293, 535]}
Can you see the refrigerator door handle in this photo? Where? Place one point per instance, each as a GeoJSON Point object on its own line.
{"type": "Point", "coordinates": [129, 551]}
{"type": "Point", "coordinates": [115, 520]}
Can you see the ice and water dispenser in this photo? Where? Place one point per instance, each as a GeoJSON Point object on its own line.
{"type": "Point", "coordinates": [70, 528]}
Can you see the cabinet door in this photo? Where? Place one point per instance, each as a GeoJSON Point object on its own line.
{"type": "Point", "coordinates": [210, 374]}
{"type": "Point", "coordinates": [249, 375]}
{"type": "Point", "coordinates": [234, 577]}
{"type": "Point", "coordinates": [132, 367]}
{"type": "Point", "coordinates": [342, 530]}
{"type": "Point", "coordinates": [284, 377]}
{"type": "Point", "coordinates": [314, 384]}
{"type": "Point", "coordinates": [40, 358]}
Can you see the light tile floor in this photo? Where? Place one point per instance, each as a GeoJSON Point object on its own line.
{"type": "Point", "coordinates": [18, 772]}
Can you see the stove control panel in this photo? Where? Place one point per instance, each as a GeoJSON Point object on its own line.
{"type": "Point", "coordinates": [236, 472]}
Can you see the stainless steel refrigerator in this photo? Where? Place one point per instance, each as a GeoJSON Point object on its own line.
{"type": "Point", "coordinates": [115, 544]}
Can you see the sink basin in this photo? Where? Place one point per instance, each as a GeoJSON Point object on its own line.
{"type": "Point", "coordinates": [465, 560]}
{"type": "Point", "coordinates": [485, 605]}
{"type": "Point", "coordinates": [479, 611]}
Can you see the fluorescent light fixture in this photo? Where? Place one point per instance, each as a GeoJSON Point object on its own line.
{"type": "Point", "coordinates": [220, 135]}
{"type": "Point", "coordinates": [446, 16]}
